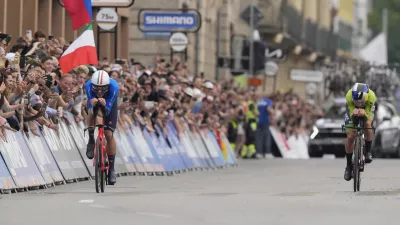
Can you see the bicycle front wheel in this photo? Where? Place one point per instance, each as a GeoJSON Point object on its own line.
{"type": "Point", "coordinates": [356, 165]}
{"type": "Point", "coordinates": [97, 167]}
{"type": "Point", "coordinates": [102, 167]}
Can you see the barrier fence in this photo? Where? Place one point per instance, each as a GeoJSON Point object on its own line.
{"type": "Point", "coordinates": [53, 158]}
{"type": "Point", "coordinates": [292, 147]}
{"type": "Point", "coordinates": [30, 161]}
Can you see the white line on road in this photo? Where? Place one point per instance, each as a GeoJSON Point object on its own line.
{"type": "Point", "coordinates": [98, 206]}
{"type": "Point", "coordinates": [154, 214]}
{"type": "Point", "coordinates": [87, 201]}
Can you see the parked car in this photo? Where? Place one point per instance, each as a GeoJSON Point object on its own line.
{"type": "Point", "coordinates": [386, 141]}
{"type": "Point", "coordinates": [327, 136]}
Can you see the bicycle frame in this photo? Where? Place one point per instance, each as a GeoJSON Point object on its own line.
{"type": "Point", "coordinates": [100, 137]}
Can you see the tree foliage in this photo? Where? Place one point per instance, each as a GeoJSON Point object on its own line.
{"type": "Point", "coordinates": [375, 24]}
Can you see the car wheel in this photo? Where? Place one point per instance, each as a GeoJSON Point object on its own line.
{"type": "Point", "coordinates": [316, 154]}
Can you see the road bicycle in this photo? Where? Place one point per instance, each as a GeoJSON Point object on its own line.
{"type": "Point", "coordinates": [358, 151]}
{"type": "Point", "coordinates": [100, 160]}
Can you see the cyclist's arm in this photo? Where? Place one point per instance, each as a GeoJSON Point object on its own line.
{"type": "Point", "coordinates": [350, 104]}
{"type": "Point", "coordinates": [89, 93]}
{"type": "Point", "coordinates": [112, 95]}
{"type": "Point", "coordinates": [371, 103]}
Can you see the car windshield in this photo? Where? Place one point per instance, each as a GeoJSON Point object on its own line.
{"type": "Point", "coordinates": [336, 112]}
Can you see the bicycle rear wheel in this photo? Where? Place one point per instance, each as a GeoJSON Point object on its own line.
{"type": "Point", "coordinates": [360, 164]}
{"type": "Point", "coordinates": [97, 167]}
{"type": "Point", "coordinates": [102, 169]}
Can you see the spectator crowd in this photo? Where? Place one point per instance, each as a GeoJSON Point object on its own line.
{"type": "Point", "coordinates": [36, 93]}
{"type": "Point", "coordinates": [340, 77]}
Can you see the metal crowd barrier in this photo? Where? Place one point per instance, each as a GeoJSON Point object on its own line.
{"type": "Point", "coordinates": [34, 162]}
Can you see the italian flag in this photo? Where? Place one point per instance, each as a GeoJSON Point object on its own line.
{"type": "Point", "coordinates": [81, 52]}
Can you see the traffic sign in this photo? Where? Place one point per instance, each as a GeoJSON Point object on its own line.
{"type": "Point", "coordinates": [311, 88]}
{"type": "Point", "coordinates": [245, 15]}
{"type": "Point", "coordinates": [274, 53]}
{"type": "Point", "coordinates": [164, 20]}
{"type": "Point", "coordinates": [178, 42]}
{"type": "Point", "coordinates": [107, 18]}
{"type": "Point", "coordinates": [271, 68]}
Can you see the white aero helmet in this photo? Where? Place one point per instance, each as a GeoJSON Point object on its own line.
{"type": "Point", "coordinates": [100, 78]}
{"type": "Point", "coordinates": [100, 81]}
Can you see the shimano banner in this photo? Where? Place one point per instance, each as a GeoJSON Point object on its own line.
{"type": "Point", "coordinates": [169, 20]}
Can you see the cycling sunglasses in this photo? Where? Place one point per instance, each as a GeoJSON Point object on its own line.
{"type": "Point", "coordinates": [100, 88]}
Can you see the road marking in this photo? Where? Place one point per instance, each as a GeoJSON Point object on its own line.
{"type": "Point", "coordinates": [87, 201]}
{"type": "Point", "coordinates": [328, 156]}
{"type": "Point", "coordinates": [154, 214]}
{"type": "Point", "coordinates": [98, 206]}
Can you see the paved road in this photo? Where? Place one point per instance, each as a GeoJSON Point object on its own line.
{"type": "Point", "coordinates": [258, 192]}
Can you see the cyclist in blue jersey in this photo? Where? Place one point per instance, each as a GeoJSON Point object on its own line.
{"type": "Point", "coordinates": [104, 90]}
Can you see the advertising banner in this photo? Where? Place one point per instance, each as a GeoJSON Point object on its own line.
{"type": "Point", "coordinates": [201, 149]}
{"type": "Point", "coordinates": [213, 140]}
{"type": "Point", "coordinates": [158, 153]}
{"type": "Point", "coordinates": [210, 148]}
{"type": "Point", "coordinates": [71, 151]}
{"type": "Point", "coordinates": [132, 146]}
{"type": "Point", "coordinates": [173, 137]}
{"type": "Point", "coordinates": [19, 161]}
{"type": "Point", "coordinates": [6, 181]}
{"type": "Point", "coordinates": [43, 158]}
{"type": "Point", "coordinates": [163, 153]}
{"type": "Point", "coordinates": [80, 139]}
{"type": "Point", "coordinates": [141, 148]}
{"type": "Point", "coordinates": [215, 152]}
{"type": "Point", "coordinates": [146, 151]}
{"type": "Point", "coordinates": [231, 153]}
{"type": "Point", "coordinates": [168, 20]}
{"type": "Point", "coordinates": [129, 157]}
{"type": "Point", "coordinates": [59, 153]}
{"type": "Point", "coordinates": [172, 153]}
{"type": "Point", "coordinates": [191, 151]}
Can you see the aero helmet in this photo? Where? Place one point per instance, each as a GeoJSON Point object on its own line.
{"type": "Point", "coordinates": [100, 81]}
{"type": "Point", "coordinates": [360, 92]}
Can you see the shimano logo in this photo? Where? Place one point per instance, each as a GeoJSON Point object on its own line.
{"type": "Point", "coordinates": [169, 20]}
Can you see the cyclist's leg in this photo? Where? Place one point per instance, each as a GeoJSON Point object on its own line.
{"type": "Point", "coordinates": [349, 145]}
{"type": "Point", "coordinates": [368, 135]}
{"type": "Point", "coordinates": [110, 125]}
{"type": "Point", "coordinates": [91, 143]}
